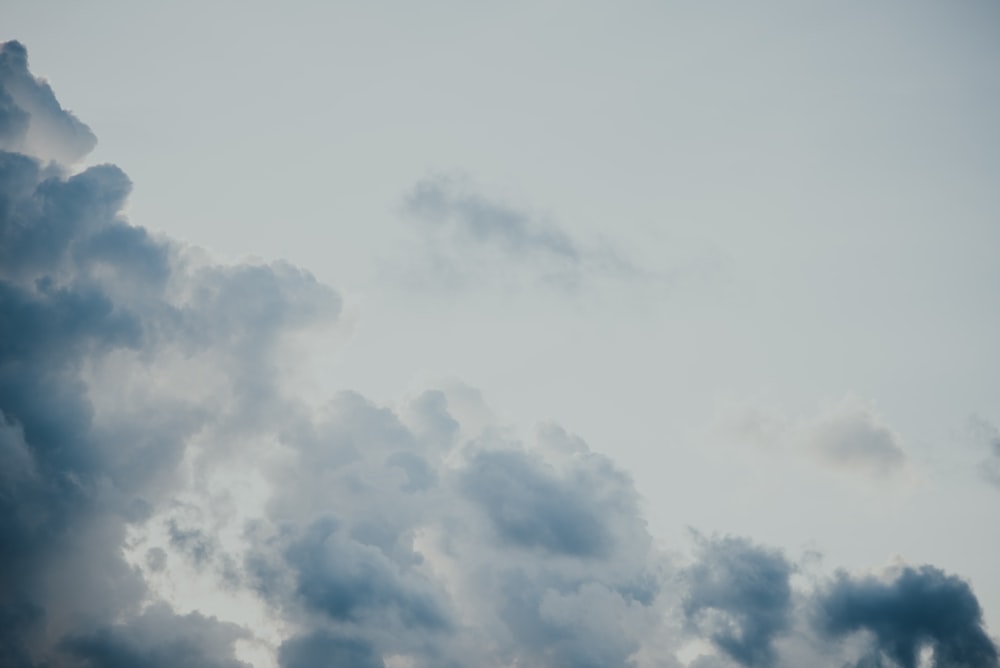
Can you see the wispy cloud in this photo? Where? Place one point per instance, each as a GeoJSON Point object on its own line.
{"type": "Point", "coordinates": [470, 238]}
{"type": "Point", "coordinates": [987, 434]}
{"type": "Point", "coordinates": [849, 435]}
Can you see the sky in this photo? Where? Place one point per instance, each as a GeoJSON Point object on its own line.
{"type": "Point", "coordinates": [517, 334]}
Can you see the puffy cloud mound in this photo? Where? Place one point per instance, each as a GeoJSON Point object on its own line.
{"type": "Point", "coordinates": [31, 119]}
{"type": "Point", "coordinates": [739, 595]}
{"type": "Point", "coordinates": [919, 607]}
{"type": "Point", "coordinates": [82, 290]}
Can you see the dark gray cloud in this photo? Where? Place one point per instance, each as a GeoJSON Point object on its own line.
{"type": "Point", "coordinates": [532, 507]}
{"type": "Point", "coordinates": [323, 648]}
{"type": "Point", "coordinates": [738, 594]}
{"type": "Point", "coordinates": [350, 579]}
{"type": "Point", "coordinates": [917, 608]}
{"type": "Point", "coordinates": [157, 638]}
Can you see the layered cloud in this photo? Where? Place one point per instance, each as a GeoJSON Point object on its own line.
{"type": "Point", "coordinates": [167, 498]}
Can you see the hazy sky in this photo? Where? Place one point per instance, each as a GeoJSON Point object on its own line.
{"type": "Point", "coordinates": [536, 334]}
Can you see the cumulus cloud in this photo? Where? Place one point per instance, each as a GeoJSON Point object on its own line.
{"type": "Point", "coordinates": [323, 648]}
{"type": "Point", "coordinates": [167, 499]}
{"type": "Point", "coordinates": [911, 609]}
{"type": "Point", "coordinates": [484, 552]}
{"type": "Point", "coordinates": [83, 291]}
{"type": "Point", "coordinates": [31, 119]}
{"type": "Point", "coordinates": [738, 595]}
{"type": "Point", "coordinates": [158, 638]}
{"type": "Point", "coordinates": [470, 237]}
{"type": "Point", "coordinates": [988, 434]}
{"type": "Point", "coordinates": [849, 435]}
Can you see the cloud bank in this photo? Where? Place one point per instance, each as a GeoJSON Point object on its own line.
{"type": "Point", "coordinates": [149, 434]}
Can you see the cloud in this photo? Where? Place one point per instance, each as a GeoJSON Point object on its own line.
{"type": "Point", "coordinates": [31, 119]}
{"type": "Point", "coordinates": [158, 638]}
{"type": "Point", "coordinates": [469, 237]}
{"type": "Point", "coordinates": [988, 434]}
{"type": "Point", "coordinates": [345, 577]}
{"type": "Point", "coordinates": [168, 498]}
{"type": "Point", "coordinates": [323, 648]}
{"type": "Point", "coordinates": [738, 595]}
{"type": "Point", "coordinates": [912, 609]}
{"type": "Point", "coordinates": [531, 507]}
{"type": "Point", "coordinates": [849, 435]}
{"type": "Point", "coordinates": [83, 292]}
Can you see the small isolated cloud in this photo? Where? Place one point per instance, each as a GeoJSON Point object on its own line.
{"type": "Point", "coordinates": [849, 436]}
{"type": "Point", "coordinates": [988, 434]}
{"type": "Point", "coordinates": [906, 612]}
{"type": "Point", "coordinates": [468, 237]}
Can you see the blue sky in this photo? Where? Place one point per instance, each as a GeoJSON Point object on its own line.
{"type": "Point", "coordinates": [525, 334]}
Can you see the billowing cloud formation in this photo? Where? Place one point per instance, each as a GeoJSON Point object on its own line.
{"type": "Point", "coordinates": [82, 291]}
{"type": "Point", "coordinates": [157, 638]}
{"type": "Point", "coordinates": [739, 595]}
{"type": "Point", "coordinates": [149, 437]}
{"type": "Point", "coordinates": [467, 232]}
{"type": "Point", "coordinates": [478, 552]}
{"type": "Point", "coordinates": [919, 607]}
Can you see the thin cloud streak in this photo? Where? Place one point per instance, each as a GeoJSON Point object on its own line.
{"type": "Point", "coordinates": [469, 236]}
